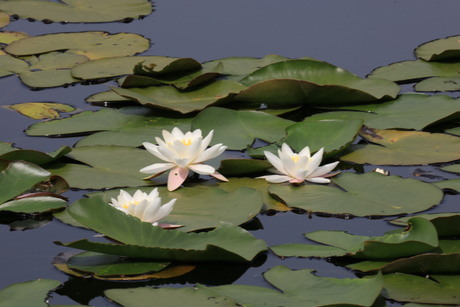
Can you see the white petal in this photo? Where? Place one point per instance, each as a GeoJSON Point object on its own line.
{"type": "Point", "coordinates": [169, 154]}
{"type": "Point", "coordinates": [323, 170]}
{"type": "Point", "coordinates": [315, 161]}
{"type": "Point", "coordinates": [153, 149]}
{"type": "Point", "coordinates": [165, 210]}
{"type": "Point", "coordinates": [207, 140]}
{"type": "Point", "coordinates": [167, 136]}
{"type": "Point", "coordinates": [211, 153]}
{"type": "Point", "coordinates": [182, 162]}
{"type": "Point", "coordinates": [150, 213]}
{"type": "Point", "coordinates": [318, 180]}
{"type": "Point", "coordinates": [275, 161]}
{"type": "Point", "coordinates": [177, 134]}
{"type": "Point", "coordinates": [286, 150]}
{"type": "Point", "coordinates": [305, 152]}
{"type": "Point", "coordinates": [275, 178]}
{"type": "Point", "coordinates": [202, 169]}
{"type": "Point", "coordinates": [138, 210]}
{"type": "Point", "coordinates": [193, 150]}
{"type": "Point", "coordinates": [156, 168]}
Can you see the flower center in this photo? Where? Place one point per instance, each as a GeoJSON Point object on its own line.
{"type": "Point", "coordinates": [295, 158]}
{"type": "Point", "coordinates": [187, 142]}
{"type": "Point", "coordinates": [128, 204]}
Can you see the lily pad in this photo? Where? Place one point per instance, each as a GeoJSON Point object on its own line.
{"type": "Point", "coordinates": [409, 71]}
{"type": "Point", "coordinates": [451, 184]}
{"type": "Point", "coordinates": [443, 49]}
{"type": "Point", "coordinates": [408, 111]}
{"type": "Point", "coordinates": [446, 223]}
{"type": "Point", "coordinates": [93, 45]}
{"type": "Point", "coordinates": [118, 66]}
{"type": "Point", "coordinates": [454, 168]}
{"type": "Point", "coordinates": [128, 126]}
{"type": "Point", "coordinates": [106, 96]}
{"type": "Point", "coordinates": [455, 131]}
{"type": "Point", "coordinates": [237, 206]}
{"type": "Point", "coordinates": [238, 129]}
{"type": "Point", "coordinates": [77, 11]}
{"type": "Point", "coordinates": [168, 97]}
{"type": "Point", "coordinates": [396, 147]}
{"type": "Point", "coordinates": [420, 237]}
{"type": "Point", "coordinates": [439, 84]}
{"type": "Point", "coordinates": [33, 156]}
{"type": "Point", "coordinates": [437, 289]}
{"type": "Point", "coordinates": [29, 293]}
{"type": "Point", "coordinates": [143, 240]}
{"type": "Point", "coordinates": [41, 110]}
{"type": "Point", "coordinates": [106, 167]}
{"type": "Point", "coordinates": [7, 37]}
{"type": "Point", "coordinates": [10, 65]}
{"type": "Point", "coordinates": [294, 288]}
{"type": "Point", "coordinates": [361, 195]}
{"type": "Point", "coordinates": [4, 19]}
{"type": "Point", "coordinates": [299, 82]}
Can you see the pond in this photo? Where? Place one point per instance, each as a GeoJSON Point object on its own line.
{"type": "Point", "coordinates": [355, 35]}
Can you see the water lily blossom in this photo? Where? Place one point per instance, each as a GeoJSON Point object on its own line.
{"type": "Point", "coordinates": [183, 152]}
{"type": "Point", "coordinates": [146, 207]}
{"type": "Point", "coordinates": [297, 168]}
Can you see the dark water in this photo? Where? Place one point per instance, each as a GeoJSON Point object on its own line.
{"type": "Point", "coordinates": [357, 35]}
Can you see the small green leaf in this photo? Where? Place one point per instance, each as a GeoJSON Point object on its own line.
{"type": "Point", "coordinates": [29, 293]}
{"type": "Point", "coordinates": [440, 49]}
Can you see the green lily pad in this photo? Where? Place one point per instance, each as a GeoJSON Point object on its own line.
{"type": "Point", "coordinates": [396, 147]}
{"type": "Point", "coordinates": [33, 156]}
{"type": "Point", "coordinates": [143, 240]}
{"type": "Point", "coordinates": [451, 184]}
{"type": "Point", "coordinates": [420, 237]}
{"type": "Point", "coordinates": [443, 49]}
{"type": "Point", "coordinates": [238, 129]}
{"type": "Point", "coordinates": [439, 84]}
{"type": "Point", "coordinates": [7, 37]}
{"type": "Point", "coordinates": [446, 223]}
{"type": "Point", "coordinates": [106, 96]}
{"type": "Point", "coordinates": [77, 11]}
{"type": "Point", "coordinates": [437, 289]}
{"type": "Point", "coordinates": [41, 110]}
{"type": "Point", "coordinates": [128, 126]}
{"type": "Point", "coordinates": [34, 204]}
{"type": "Point", "coordinates": [4, 19]}
{"type": "Point", "coordinates": [29, 293]}
{"type": "Point", "coordinates": [237, 206]}
{"type": "Point", "coordinates": [143, 297]}
{"type": "Point", "coordinates": [299, 82]}
{"type": "Point", "coordinates": [294, 288]}
{"type": "Point", "coordinates": [454, 168]}
{"type": "Point", "coordinates": [408, 111]}
{"type": "Point", "coordinates": [241, 167]}
{"type": "Point", "coordinates": [106, 167]}
{"type": "Point", "coordinates": [168, 97]}
{"type": "Point", "coordinates": [118, 66]}
{"type": "Point", "coordinates": [361, 195]}
{"type": "Point", "coordinates": [10, 65]}
{"type": "Point", "coordinates": [408, 71]}
{"type": "Point", "coordinates": [455, 131]}
{"type": "Point", "coordinates": [93, 45]}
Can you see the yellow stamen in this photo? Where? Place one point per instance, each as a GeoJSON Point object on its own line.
{"type": "Point", "coordinates": [186, 142]}
{"type": "Point", "coordinates": [127, 205]}
{"type": "Point", "coordinates": [295, 158]}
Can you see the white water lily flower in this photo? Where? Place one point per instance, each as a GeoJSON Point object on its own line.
{"type": "Point", "coordinates": [297, 168]}
{"type": "Point", "coordinates": [182, 153]}
{"type": "Point", "coordinates": [146, 207]}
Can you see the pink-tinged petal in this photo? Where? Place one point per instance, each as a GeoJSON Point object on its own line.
{"type": "Point", "coordinates": [156, 168]}
{"type": "Point", "coordinates": [295, 180]}
{"type": "Point", "coordinates": [176, 177]}
{"type": "Point", "coordinates": [153, 176]}
{"type": "Point", "coordinates": [305, 152]}
{"type": "Point", "coordinates": [318, 180]}
{"type": "Point", "coordinates": [275, 178]}
{"type": "Point", "coordinates": [219, 176]}
{"type": "Point", "coordinates": [323, 170]}
{"type": "Point", "coordinates": [275, 161]}
{"type": "Point", "coordinates": [168, 226]}
{"type": "Point", "coordinates": [211, 153]}
{"type": "Point", "coordinates": [202, 169]}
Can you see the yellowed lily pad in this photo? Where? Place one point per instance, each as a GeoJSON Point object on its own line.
{"type": "Point", "coordinates": [394, 147]}
{"type": "Point", "coordinates": [9, 37]}
{"type": "Point", "coordinates": [41, 110]}
{"type": "Point", "coordinates": [4, 19]}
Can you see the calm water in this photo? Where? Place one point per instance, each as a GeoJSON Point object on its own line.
{"type": "Point", "coordinates": [358, 35]}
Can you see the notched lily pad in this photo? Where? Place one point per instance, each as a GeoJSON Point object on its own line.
{"type": "Point", "coordinates": [41, 110]}
{"type": "Point", "coordinates": [77, 11]}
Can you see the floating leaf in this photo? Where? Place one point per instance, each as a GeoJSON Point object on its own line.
{"type": "Point", "coordinates": [9, 37]}
{"type": "Point", "coordinates": [129, 126]}
{"type": "Point", "coordinates": [455, 131]}
{"type": "Point", "coordinates": [4, 19]}
{"type": "Point", "coordinates": [118, 66]}
{"type": "Point", "coordinates": [404, 148]}
{"type": "Point", "coordinates": [408, 71]}
{"type": "Point", "coordinates": [33, 156]}
{"type": "Point", "coordinates": [106, 167]}
{"type": "Point", "coordinates": [29, 293]}
{"type": "Point", "coordinates": [41, 110]}
{"type": "Point", "coordinates": [241, 167]}
{"type": "Point", "coordinates": [454, 168]}
{"type": "Point", "coordinates": [93, 45]}
{"type": "Point", "coordinates": [236, 206]}
{"type": "Point", "coordinates": [77, 11]}
{"type": "Point", "coordinates": [107, 96]}
{"type": "Point", "coordinates": [10, 65]}
{"type": "Point", "coordinates": [408, 111]}
{"type": "Point", "coordinates": [439, 84]}
{"type": "Point", "coordinates": [299, 82]}
{"type": "Point", "coordinates": [446, 223]}
{"type": "Point", "coordinates": [437, 289]}
{"type": "Point", "coordinates": [168, 97]}
{"type": "Point", "coordinates": [452, 184]}
{"type": "Point", "coordinates": [420, 237]}
{"type": "Point", "coordinates": [361, 195]}
{"type": "Point", "coordinates": [440, 49]}
{"type": "Point", "coordinates": [238, 129]}
{"type": "Point", "coordinates": [143, 240]}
